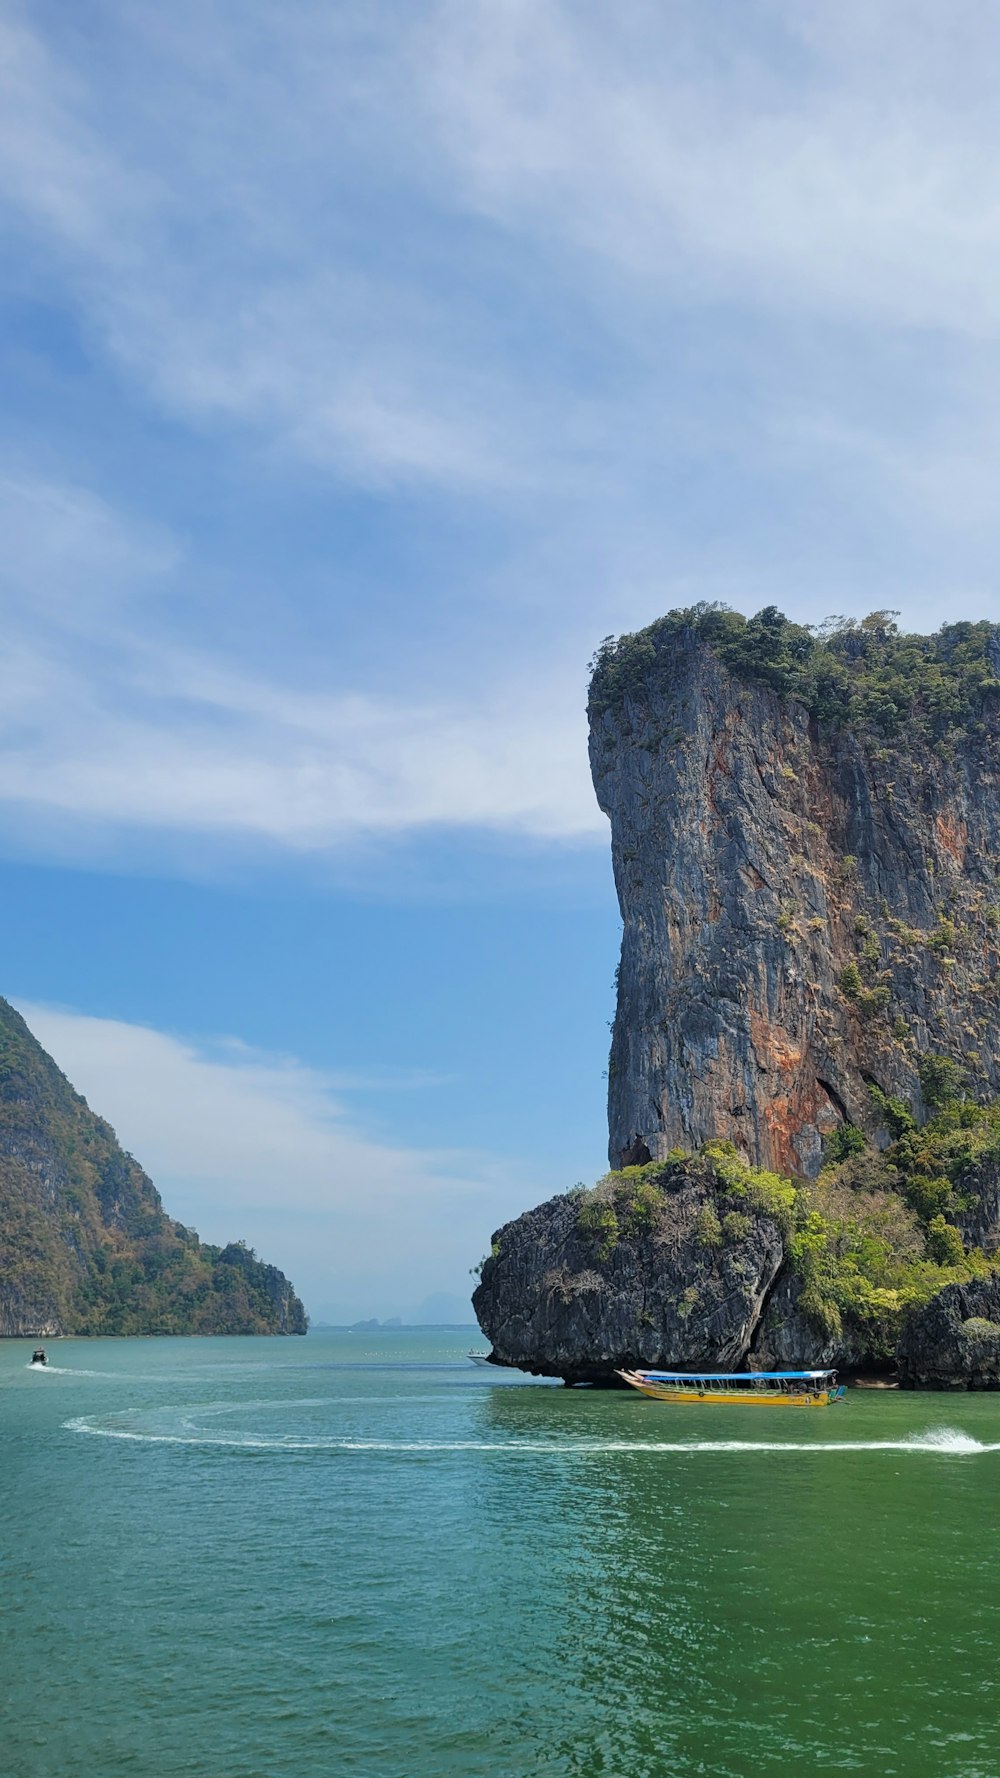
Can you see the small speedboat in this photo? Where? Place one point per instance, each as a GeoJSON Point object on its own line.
{"type": "Point", "coordinates": [479, 1357]}
{"type": "Point", "coordinates": [38, 1356]}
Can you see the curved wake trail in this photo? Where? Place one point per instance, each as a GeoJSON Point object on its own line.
{"type": "Point", "coordinates": [941, 1441]}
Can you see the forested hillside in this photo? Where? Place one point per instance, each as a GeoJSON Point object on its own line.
{"type": "Point", "coordinates": [85, 1244]}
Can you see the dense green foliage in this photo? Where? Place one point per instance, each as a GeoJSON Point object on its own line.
{"type": "Point", "coordinates": [872, 1238]}
{"type": "Point", "coordinates": [878, 1236]}
{"type": "Point", "coordinates": [624, 1204]}
{"type": "Point", "coordinates": [868, 676]}
{"type": "Point", "coordinates": [85, 1245]}
{"type": "Point", "coordinates": [845, 1140]}
{"type": "Point", "coordinates": [753, 1188]}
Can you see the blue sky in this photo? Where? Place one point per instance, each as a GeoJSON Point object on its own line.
{"type": "Point", "coordinates": [363, 366]}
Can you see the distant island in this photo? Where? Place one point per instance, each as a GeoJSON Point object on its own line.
{"type": "Point", "coordinates": [394, 1325]}
{"type": "Point", "coordinates": [803, 1083]}
{"type": "Point", "coordinates": [85, 1244]}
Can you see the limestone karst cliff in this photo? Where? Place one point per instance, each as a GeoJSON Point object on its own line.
{"type": "Point", "coordinates": [805, 1067]}
{"type": "Point", "coordinates": [807, 869]}
{"type": "Point", "coordinates": [85, 1245]}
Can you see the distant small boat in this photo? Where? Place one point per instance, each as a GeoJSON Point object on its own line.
{"type": "Point", "coordinates": [38, 1356]}
{"type": "Point", "coordinates": [770, 1389]}
{"type": "Point", "coordinates": [479, 1357]}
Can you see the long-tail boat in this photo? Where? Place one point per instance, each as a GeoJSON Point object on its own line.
{"type": "Point", "coordinates": [771, 1389]}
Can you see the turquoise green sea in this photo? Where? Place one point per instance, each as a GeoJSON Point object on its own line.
{"type": "Point", "coordinates": [358, 1554]}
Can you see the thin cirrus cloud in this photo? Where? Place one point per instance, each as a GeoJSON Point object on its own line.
{"type": "Point", "coordinates": [246, 1145]}
{"type": "Point", "coordinates": [221, 263]}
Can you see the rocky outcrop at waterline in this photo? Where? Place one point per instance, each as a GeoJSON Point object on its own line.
{"type": "Point", "coordinates": [85, 1244]}
{"type": "Point", "coordinates": [590, 1283]}
{"type": "Point", "coordinates": [703, 1262]}
{"type": "Point", "coordinates": [689, 1264]}
{"type": "Point", "coordinates": [954, 1342]}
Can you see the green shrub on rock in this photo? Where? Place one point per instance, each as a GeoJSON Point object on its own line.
{"type": "Point", "coordinates": [978, 1332]}
{"type": "Point", "coordinates": [849, 981]}
{"type": "Point", "coordinates": [736, 1226]}
{"type": "Point", "coordinates": [930, 1198]}
{"type": "Point", "coordinates": [895, 1111]}
{"type": "Point", "coordinates": [842, 1142]}
{"type": "Point", "coordinates": [944, 1242]}
{"type": "Point", "coordinates": [708, 1228]}
{"type": "Point", "coordinates": [597, 1220]}
{"type": "Point", "coordinates": [768, 1193]}
{"type": "Point", "coordinates": [941, 1081]}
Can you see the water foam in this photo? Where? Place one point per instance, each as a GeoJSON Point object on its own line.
{"type": "Point", "coordinates": [946, 1438]}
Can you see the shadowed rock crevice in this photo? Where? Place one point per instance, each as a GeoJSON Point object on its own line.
{"type": "Point", "coordinates": [835, 1100]}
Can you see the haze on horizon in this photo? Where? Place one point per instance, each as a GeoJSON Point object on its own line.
{"type": "Point", "coordinates": [364, 367]}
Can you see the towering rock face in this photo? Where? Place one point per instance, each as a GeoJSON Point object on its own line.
{"type": "Point", "coordinates": [806, 837]}
{"type": "Point", "coordinates": [85, 1245]}
{"type": "Point", "coordinates": [809, 880]}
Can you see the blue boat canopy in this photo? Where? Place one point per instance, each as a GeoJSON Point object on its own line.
{"type": "Point", "coordinates": [734, 1376]}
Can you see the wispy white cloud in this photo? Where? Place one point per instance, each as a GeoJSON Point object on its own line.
{"type": "Point", "coordinates": [301, 777]}
{"type": "Point", "coordinates": [72, 560]}
{"type": "Point", "coordinates": [110, 722]}
{"type": "Point", "coordinates": [245, 1145]}
{"type": "Point", "coordinates": [112, 725]}
{"type": "Point", "coordinates": [211, 242]}
{"type": "Point", "coordinates": [315, 230]}
{"type": "Point", "coordinates": [702, 304]}
{"type": "Point", "coordinates": [841, 162]}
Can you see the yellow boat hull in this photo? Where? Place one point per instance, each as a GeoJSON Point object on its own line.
{"type": "Point", "coordinates": [751, 1398]}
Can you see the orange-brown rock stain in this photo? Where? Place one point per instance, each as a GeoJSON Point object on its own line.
{"type": "Point", "coordinates": [799, 1106]}
{"type": "Point", "coordinates": [952, 837]}
{"type": "Point", "coordinates": [783, 1124]}
{"type": "Point", "coordinates": [774, 1046]}
{"type": "Point", "coordinates": [788, 1116]}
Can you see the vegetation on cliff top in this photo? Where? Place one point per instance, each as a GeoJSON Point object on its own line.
{"type": "Point", "coordinates": [870, 1240]}
{"type": "Point", "coordinates": [85, 1245]}
{"type": "Point", "coordinates": [865, 675]}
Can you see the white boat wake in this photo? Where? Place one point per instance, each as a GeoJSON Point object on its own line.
{"type": "Point", "coordinates": [69, 1370]}
{"type": "Point", "coordinates": [936, 1441]}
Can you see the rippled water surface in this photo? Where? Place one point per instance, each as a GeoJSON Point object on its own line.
{"type": "Point", "coordinates": [359, 1554]}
